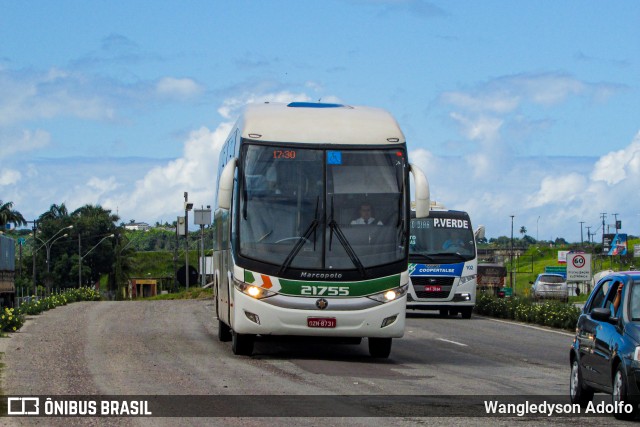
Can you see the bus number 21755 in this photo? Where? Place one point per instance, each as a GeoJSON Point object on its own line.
{"type": "Point", "coordinates": [331, 291]}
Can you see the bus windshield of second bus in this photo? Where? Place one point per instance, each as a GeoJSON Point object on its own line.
{"type": "Point", "coordinates": [298, 207]}
{"type": "Point", "coordinates": [442, 240]}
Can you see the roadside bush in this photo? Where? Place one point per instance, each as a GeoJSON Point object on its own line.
{"type": "Point", "coordinates": [10, 321]}
{"type": "Point", "coordinates": [550, 313]}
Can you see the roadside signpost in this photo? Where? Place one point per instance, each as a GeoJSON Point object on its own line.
{"type": "Point", "coordinates": [578, 267]}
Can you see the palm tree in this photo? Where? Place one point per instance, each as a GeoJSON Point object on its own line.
{"type": "Point", "coordinates": [523, 230]}
{"type": "Point", "coordinates": [123, 266]}
{"type": "Point", "coordinates": [8, 215]}
{"type": "Point", "coordinates": [55, 212]}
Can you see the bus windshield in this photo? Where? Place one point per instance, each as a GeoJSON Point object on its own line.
{"type": "Point", "coordinates": [310, 208]}
{"type": "Point", "coordinates": [439, 239]}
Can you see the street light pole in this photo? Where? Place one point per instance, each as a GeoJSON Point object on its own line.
{"type": "Point", "coordinates": [513, 288]}
{"type": "Point", "coordinates": [83, 256]}
{"type": "Point", "coordinates": [187, 208]}
{"type": "Point", "coordinates": [47, 245]}
{"type": "Point", "coordinates": [33, 255]}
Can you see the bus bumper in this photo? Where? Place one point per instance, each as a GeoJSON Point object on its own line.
{"type": "Point", "coordinates": [461, 296]}
{"type": "Point", "coordinates": [253, 316]}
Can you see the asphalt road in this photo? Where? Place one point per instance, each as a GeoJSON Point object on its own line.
{"type": "Point", "coordinates": [170, 348]}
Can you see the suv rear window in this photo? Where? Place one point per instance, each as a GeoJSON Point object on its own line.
{"type": "Point", "coordinates": [552, 279]}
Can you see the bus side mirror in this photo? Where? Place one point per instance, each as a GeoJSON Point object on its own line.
{"type": "Point", "coordinates": [225, 185]}
{"type": "Point", "coordinates": [480, 232]}
{"type": "Point", "coordinates": [423, 198]}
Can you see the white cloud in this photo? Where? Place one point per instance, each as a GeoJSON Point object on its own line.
{"type": "Point", "coordinates": [29, 96]}
{"type": "Point", "coordinates": [91, 191]}
{"type": "Point", "coordinates": [231, 106]}
{"type": "Point", "coordinates": [481, 113]}
{"type": "Point", "coordinates": [546, 89]}
{"type": "Point", "coordinates": [9, 177]}
{"type": "Point", "coordinates": [171, 87]}
{"type": "Point", "coordinates": [26, 140]}
{"type": "Point", "coordinates": [500, 102]}
{"type": "Point", "coordinates": [160, 193]}
{"type": "Point", "coordinates": [619, 165]}
{"type": "Point", "coordinates": [562, 189]}
{"type": "Point", "coordinates": [478, 128]}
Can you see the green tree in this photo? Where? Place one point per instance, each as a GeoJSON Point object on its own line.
{"type": "Point", "coordinates": [124, 264]}
{"type": "Point", "coordinates": [92, 227]}
{"type": "Point", "coordinates": [54, 239]}
{"type": "Point", "coordinates": [8, 215]}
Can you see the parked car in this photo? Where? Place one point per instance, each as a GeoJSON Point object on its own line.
{"type": "Point", "coordinates": [605, 354]}
{"type": "Point", "coordinates": [550, 285]}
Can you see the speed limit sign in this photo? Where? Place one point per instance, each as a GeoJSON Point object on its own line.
{"type": "Point", "coordinates": [578, 267]}
{"type": "Point", "coordinates": [578, 261]}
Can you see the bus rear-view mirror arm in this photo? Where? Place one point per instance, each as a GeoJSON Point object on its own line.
{"type": "Point", "coordinates": [225, 186]}
{"type": "Point", "coordinates": [423, 197]}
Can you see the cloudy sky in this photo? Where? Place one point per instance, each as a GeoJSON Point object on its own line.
{"type": "Point", "coordinates": [527, 108]}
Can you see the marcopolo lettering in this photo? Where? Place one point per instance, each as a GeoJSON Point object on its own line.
{"type": "Point", "coordinates": [450, 223]}
{"type": "Point", "coordinates": [307, 275]}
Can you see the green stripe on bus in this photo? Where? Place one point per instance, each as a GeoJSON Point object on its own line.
{"type": "Point", "coordinates": [365, 287]}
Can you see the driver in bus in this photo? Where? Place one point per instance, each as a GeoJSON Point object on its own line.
{"type": "Point", "coordinates": [366, 217]}
{"type": "Point", "coordinates": [452, 242]}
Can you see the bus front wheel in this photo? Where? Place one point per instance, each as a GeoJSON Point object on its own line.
{"type": "Point", "coordinates": [242, 344]}
{"type": "Point", "coordinates": [380, 347]}
{"type": "Point", "coordinates": [224, 331]}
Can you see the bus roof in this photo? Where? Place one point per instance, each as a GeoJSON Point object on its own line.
{"type": "Point", "coordinates": [319, 123]}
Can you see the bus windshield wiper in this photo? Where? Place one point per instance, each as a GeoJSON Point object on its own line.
{"type": "Point", "coordinates": [301, 241]}
{"type": "Point", "coordinates": [453, 254]}
{"type": "Point", "coordinates": [413, 256]}
{"type": "Point", "coordinates": [335, 227]}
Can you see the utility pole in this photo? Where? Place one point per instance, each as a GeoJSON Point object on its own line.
{"type": "Point", "coordinates": [603, 216]}
{"type": "Point", "coordinates": [581, 235]}
{"type": "Point", "coordinates": [589, 233]}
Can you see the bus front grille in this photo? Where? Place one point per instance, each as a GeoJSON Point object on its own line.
{"type": "Point", "coordinates": [432, 286]}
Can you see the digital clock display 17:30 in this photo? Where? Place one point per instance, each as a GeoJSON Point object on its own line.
{"type": "Point", "coordinates": [284, 154]}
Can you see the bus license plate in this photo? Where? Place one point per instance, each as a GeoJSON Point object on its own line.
{"type": "Point", "coordinates": [433, 288]}
{"type": "Point", "coordinates": [321, 322]}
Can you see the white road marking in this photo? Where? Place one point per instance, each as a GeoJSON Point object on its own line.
{"type": "Point", "coordinates": [452, 342]}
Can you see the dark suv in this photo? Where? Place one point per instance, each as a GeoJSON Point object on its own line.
{"type": "Point", "coordinates": [605, 355]}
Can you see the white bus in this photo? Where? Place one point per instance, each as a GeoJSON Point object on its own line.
{"type": "Point", "coordinates": [443, 264]}
{"type": "Point", "coordinates": [288, 260]}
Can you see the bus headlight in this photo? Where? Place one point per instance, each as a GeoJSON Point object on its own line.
{"type": "Point", "coordinates": [253, 291]}
{"type": "Point", "coordinates": [390, 294]}
{"type": "Point", "coordinates": [465, 279]}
